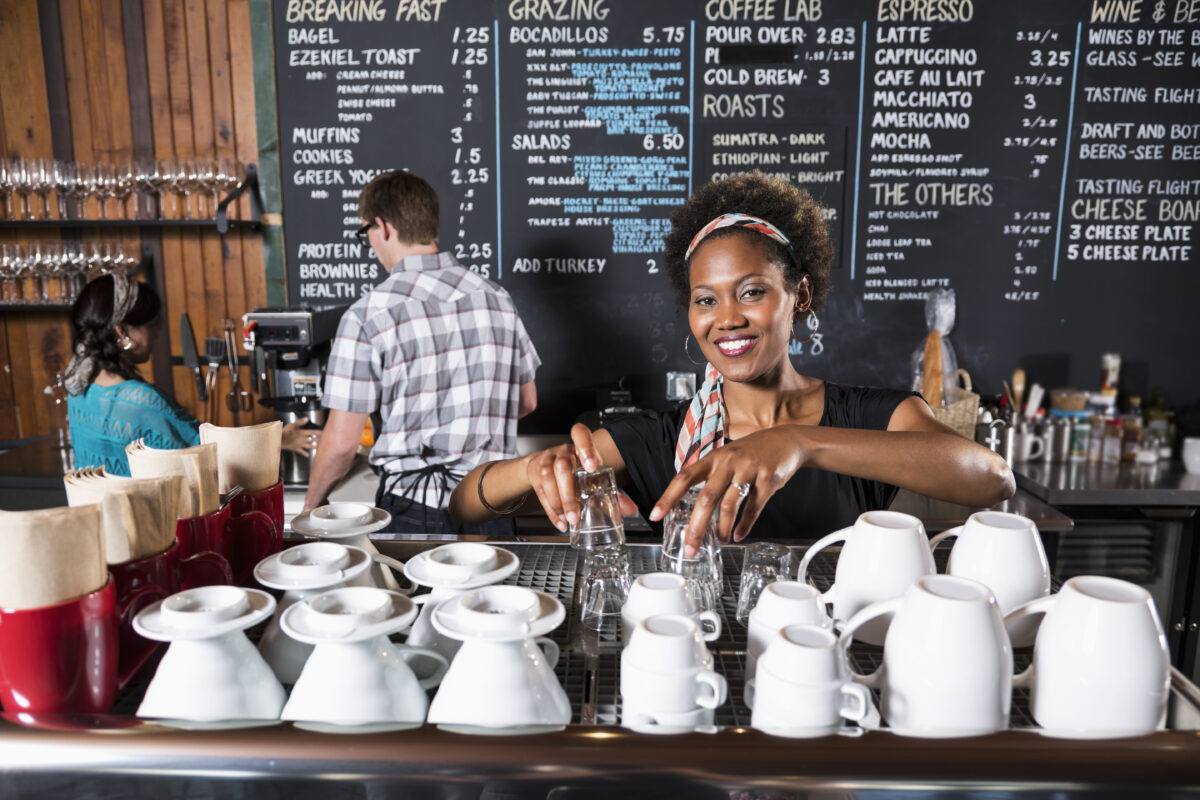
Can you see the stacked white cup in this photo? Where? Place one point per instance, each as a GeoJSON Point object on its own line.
{"type": "Point", "coordinates": [667, 681]}
{"type": "Point", "coordinates": [664, 593]}
{"type": "Point", "coordinates": [781, 604]}
{"type": "Point", "coordinates": [802, 688]}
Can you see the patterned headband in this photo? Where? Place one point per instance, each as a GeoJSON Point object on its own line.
{"type": "Point", "coordinates": [124, 297]}
{"type": "Point", "coordinates": [82, 368]}
{"type": "Point", "coordinates": [740, 221]}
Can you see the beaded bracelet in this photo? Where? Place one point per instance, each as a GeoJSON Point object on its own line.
{"type": "Point", "coordinates": [500, 512]}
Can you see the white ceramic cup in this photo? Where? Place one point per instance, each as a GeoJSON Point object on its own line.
{"type": "Point", "coordinates": [1003, 552]}
{"type": "Point", "coordinates": [802, 687]}
{"type": "Point", "coordinates": [364, 682]}
{"type": "Point", "coordinates": [459, 562]}
{"type": "Point", "coordinates": [662, 671]}
{"type": "Point", "coordinates": [1028, 446]}
{"type": "Point", "coordinates": [505, 610]}
{"type": "Point", "coordinates": [1189, 451]}
{"type": "Point", "coordinates": [947, 661]}
{"type": "Point", "coordinates": [781, 603]}
{"type": "Point", "coordinates": [502, 684]}
{"type": "Point", "coordinates": [882, 554]}
{"type": "Point", "coordinates": [1100, 663]}
{"type": "Point", "coordinates": [663, 593]}
{"type": "Point", "coordinates": [315, 566]}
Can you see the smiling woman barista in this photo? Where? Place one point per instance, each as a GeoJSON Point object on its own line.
{"type": "Point", "coordinates": [749, 258]}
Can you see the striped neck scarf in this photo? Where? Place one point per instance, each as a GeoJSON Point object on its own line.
{"type": "Point", "coordinates": [704, 425]}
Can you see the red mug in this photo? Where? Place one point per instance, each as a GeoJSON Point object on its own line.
{"type": "Point", "coordinates": [204, 549]}
{"type": "Point", "coordinates": [61, 658]}
{"type": "Point", "coordinates": [256, 530]}
{"type": "Point", "coordinates": [142, 581]}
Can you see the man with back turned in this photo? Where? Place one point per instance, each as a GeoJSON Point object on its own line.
{"type": "Point", "coordinates": [439, 351]}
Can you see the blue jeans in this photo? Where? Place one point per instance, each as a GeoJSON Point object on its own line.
{"type": "Point", "coordinates": [413, 518]}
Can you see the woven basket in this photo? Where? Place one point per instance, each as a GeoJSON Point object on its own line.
{"type": "Point", "coordinates": [961, 414]}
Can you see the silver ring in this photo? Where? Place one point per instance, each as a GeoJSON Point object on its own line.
{"type": "Point", "coordinates": [743, 489]}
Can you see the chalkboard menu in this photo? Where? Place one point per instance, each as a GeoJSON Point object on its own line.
{"type": "Point", "coordinates": [1039, 157]}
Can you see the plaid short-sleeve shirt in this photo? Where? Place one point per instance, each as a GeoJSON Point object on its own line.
{"type": "Point", "coordinates": [441, 353]}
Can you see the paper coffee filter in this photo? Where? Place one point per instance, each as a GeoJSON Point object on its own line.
{"type": "Point", "coordinates": [246, 456]}
{"type": "Point", "coordinates": [197, 466]}
{"type": "Point", "coordinates": [50, 555]}
{"type": "Point", "coordinates": [138, 514]}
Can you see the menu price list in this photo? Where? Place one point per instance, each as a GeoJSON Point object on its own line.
{"type": "Point", "coordinates": [1007, 151]}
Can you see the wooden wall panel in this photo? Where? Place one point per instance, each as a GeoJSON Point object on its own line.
{"type": "Point", "coordinates": [194, 68]}
{"type": "Point", "coordinates": [37, 342]}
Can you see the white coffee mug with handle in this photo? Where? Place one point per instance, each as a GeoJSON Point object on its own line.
{"type": "Point", "coordinates": [664, 593]}
{"type": "Point", "coordinates": [802, 688]}
{"type": "Point", "coordinates": [882, 554]}
{"type": "Point", "coordinates": [1003, 552]}
{"type": "Point", "coordinates": [947, 661]}
{"type": "Point", "coordinates": [1100, 663]}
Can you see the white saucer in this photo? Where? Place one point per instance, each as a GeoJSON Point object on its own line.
{"type": "Point", "coordinates": [507, 730]}
{"type": "Point", "coordinates": [416, 570]}
{"type": "Point", "coordinates": [303, 524]}
{"type": "Point", "coordinates": [274, 574]}
{"type": "Point", "coordinates": [297, 620]}
{"type": "Point", "coordinates": [370, 727]}
{"type": "Point", "coordinates": [212, 725]}
{"type": "Point", "coordinates": [153, 624]}
{"type": "Point", "coordinates": [549, 616]}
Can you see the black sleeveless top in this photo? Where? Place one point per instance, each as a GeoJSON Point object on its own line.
{"type": "Point", "coordinates": [813, 503]}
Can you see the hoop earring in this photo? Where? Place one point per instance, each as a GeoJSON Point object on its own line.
{"type": "Point", "coordinates": [813, 325]}
{"type": "Point", "coordinates": [686, 339]}
{"type": "Point", "coordinates": [127, 344]}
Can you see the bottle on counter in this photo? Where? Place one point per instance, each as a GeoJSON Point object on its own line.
{"type": "Point", "coordinates": [1133, 430]}
{"type": "Point", "coordinates": [1114, 435]}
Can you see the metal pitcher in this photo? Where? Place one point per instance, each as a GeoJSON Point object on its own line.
{"type": "Point", "coordinates": [997, 436]}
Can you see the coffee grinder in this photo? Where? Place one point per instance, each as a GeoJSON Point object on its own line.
{"type": "Point", "coordinates": [289, 348]}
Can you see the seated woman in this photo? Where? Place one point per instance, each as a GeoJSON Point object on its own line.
{"type": "Point", "coordinates": [114, 325]}
{"type": "Point", "coordinates": [799, 457]}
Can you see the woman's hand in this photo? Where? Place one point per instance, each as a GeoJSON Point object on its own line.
{"type": "Point", "coordinates": [748, 470]}
{"type": "Point", "coordinates": [551, 473]}
{"type": "Point", "coordinates": [300, 440]}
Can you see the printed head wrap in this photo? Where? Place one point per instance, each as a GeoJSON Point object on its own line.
{"type": "Point", "coordinates": [82, 368]}
{"type": "Point", "coordinates": [735, 220]}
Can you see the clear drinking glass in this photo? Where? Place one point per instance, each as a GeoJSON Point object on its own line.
{"type": "Point", "coordinates": [702, 569]}
{"type": "Point", "coordinates": [607, 576]}
{"type": "Point", "coordinates": [41, 177]}
{"type": "Point", "coordinates": [600, 521]}
{"type": "Point", "coordinates": [763, 563]}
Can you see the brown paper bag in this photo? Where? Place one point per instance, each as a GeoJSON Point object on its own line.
{"type": "Point", "coordinates": [50, 555]}
{"type": "Point", "coordinates": [138, 514]}
{"type": "Point", "coordinates": [197, 465]}
{"type": "Point", "coordinates": [246, 456]}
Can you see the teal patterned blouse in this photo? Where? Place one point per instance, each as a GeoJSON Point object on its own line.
{"type": "Point", "coordinates": [104, 419]}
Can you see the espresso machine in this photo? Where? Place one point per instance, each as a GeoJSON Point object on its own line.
{"type": "Point", "coordinates": [289, 348]}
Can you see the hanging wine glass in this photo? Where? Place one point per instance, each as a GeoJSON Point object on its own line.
{"type": "Point", "coordinates": [22, 186]}
{"type": "Point", "coordinates": [148, 180]}
{"type": "Point", "coordinates": [123, 186]}
{"type": "Point", "coordinates": [42, 181]}
{"type": "Point", "coordinates": [6, 188]}
{"type": "Point", "coordinates": [65, 178]}
{"type": "Point", "coordinates": [8, 274]}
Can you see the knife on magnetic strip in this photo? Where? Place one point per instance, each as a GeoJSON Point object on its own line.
{"type": "Point", "coordinates": [191, 357]}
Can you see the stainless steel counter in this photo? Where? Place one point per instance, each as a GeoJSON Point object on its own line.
{"type": "Point", "coordinates": [1165, 483]}
{"type": "Point", "coordinates": [119, 756]}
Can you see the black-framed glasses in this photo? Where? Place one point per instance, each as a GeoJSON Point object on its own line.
{"type": "Point", "coordinates": [361, 233]}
